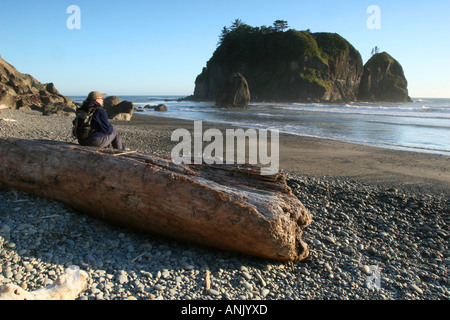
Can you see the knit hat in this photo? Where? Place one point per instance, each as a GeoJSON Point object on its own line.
{"type": "Point", "coordinates": [94, 95]}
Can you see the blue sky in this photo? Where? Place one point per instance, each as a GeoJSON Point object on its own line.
{"type": "Point", "coordinates": [159, 47]}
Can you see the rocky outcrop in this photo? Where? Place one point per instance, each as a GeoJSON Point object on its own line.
{"type": "Point", "coordinates": [118, 109]}
{"type": "Point", "coordinates": [299, 66]}
{"type": "Point", "coordinates": [383, 80]}
{"type": "Point", "coordinates": [282, 66]}
{"type": "Point", "coordinates": [22, 91]}
{"type": "Point", "coordinates": [234, 93]}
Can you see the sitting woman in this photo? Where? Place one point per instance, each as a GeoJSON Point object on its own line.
{"type": "Point", "coordinates": [103, 134]}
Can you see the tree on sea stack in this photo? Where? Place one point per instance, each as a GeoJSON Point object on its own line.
{"type": "Point", "coordinates": [280, 25]}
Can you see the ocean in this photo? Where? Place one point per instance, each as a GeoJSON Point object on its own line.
{"type": "Point", "coordinates": [421, 126]}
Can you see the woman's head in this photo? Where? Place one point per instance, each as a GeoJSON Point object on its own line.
{"type": "Point", "coordinates": [97, 96]}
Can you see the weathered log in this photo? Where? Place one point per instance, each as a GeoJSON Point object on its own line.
{"type": "Point", "coordinates": [67, 287]}
{"type": "Point", "coordinates": [225, 206]}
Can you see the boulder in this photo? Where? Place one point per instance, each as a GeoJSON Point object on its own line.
{"type": "Point", "coordinates": [122, 117]}
{"type": "Point", "coordinates": [7, 98]}
{"type": "Point", "coordinates": [110, 102]}
{"type": "Point", "coordinates": [55, 109]}
{"type": "Point", "coordinates": [2, 106]}
{"type": "Point", "coordinates": [161, 107]}
{"type": "Point", "coordinates": [118, 109]}
{"type": "Point", "coordinates": [383, 80]}
{"type": "Point", "coordinates": [50, 87]}
{"type": "Point", "coordinates": [234, 93]}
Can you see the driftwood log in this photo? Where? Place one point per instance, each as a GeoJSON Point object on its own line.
{"type": "Point", "coordinates": [229, 207]}
{"type": "Point", "coordinates": [67, 287]}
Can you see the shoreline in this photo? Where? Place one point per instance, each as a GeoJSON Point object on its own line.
{"type": "Point", "coordinates": [410, 171]}
{"type": "Point", "coordinates": [388, 168]}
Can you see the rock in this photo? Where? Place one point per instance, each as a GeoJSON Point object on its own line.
{"type": "Point", "coordinates": [366, 269]}
{"type": "Point", "coordinates": [246, 275]}
{"type": "Point", "coordinates": [159, 287]}
{"type": "Point", "coordinates": [122, 117]}
{"type": "Point", "coordinates": [5, 229]}
{"type": "Point", "coordinates": [330, 239]}
{"type": "Point", "coordinates": [22, 91]}
{"type": "Point", "coordinates": [57, 109]}
{"type": "Point", "coordinates": [234, 93]}
{"type": "Point", "coordinates": [165, 274]}
{"type": "Point", "coordinates": [383, 80]}
{"type": "Point", "coordinates": [415, 288]}
{"type": "Point", "coordinates": [284, 66]}
{"type": "Point", "coordinates": [6, 99]}
{"type": "Point", "coordinates": [214, 292]}
{"type": "Point", "coordinates": [122, 277]}
{"type": "Point", "coordinates": [50, 87]}
{"type": "Point", "coordinates": [247, 286]}
{"type": "Point", "coordinates": [110, 102]}
{"type": "Point", "coordinates": [161, 107]}
{"type": "Point", "coordinates": [264, 292]}
{"type": "Point", "coordinates": [117, 109]}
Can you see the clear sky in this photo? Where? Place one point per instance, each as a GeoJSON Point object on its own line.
{"type": "Point", "coordinates": [159, 47]}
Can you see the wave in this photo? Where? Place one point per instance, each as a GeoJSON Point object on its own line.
{"type": "Point", "coordinates": [424, 125]}
{"type": "Point", "coordinates": [429, 113]}
{"type": "Point", "coordinates": [422, 148]}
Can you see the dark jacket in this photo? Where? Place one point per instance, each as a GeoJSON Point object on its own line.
{"type": "Point", "coordinates": [100, 123]}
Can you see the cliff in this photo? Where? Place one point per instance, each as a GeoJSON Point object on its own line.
{"type": "Point", "coordinates": [284, 66]}
{"type": "Point", "coordinates": [383, 80]}
{"type": "Point", "coordinates": [23, 91]}
{"type": "Point", "coordinates": [291, 65]}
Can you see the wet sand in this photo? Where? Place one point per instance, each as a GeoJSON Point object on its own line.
{"type": "Point", "coordinates": [423, 172]}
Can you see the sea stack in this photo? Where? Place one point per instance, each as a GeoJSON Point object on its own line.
{"type": "Point", "coordinates": [383, 80]}
{"type": "Point", "coordinates": [234, 93]}
{"type": "Point", "coordinates": [284, 66]}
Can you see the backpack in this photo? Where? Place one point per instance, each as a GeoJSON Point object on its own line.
{"type": "Point", "coordinates": [81, 128]}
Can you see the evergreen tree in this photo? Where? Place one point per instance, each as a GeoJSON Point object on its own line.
{"type": "Point", "coordinates": [280, 25]}
{"type": "Point", "coordinates": [375, 50]}
{"type": "Point", "coordinates": [225, 32]}
{"type": "Point", "coordinates": [236, 24]}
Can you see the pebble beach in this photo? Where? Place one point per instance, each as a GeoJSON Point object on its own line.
{"type": "Point", "coordinates": [400, 230]}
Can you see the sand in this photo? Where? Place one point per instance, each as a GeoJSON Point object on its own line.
{"type": "Point", "coordinates": [413, 171]}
